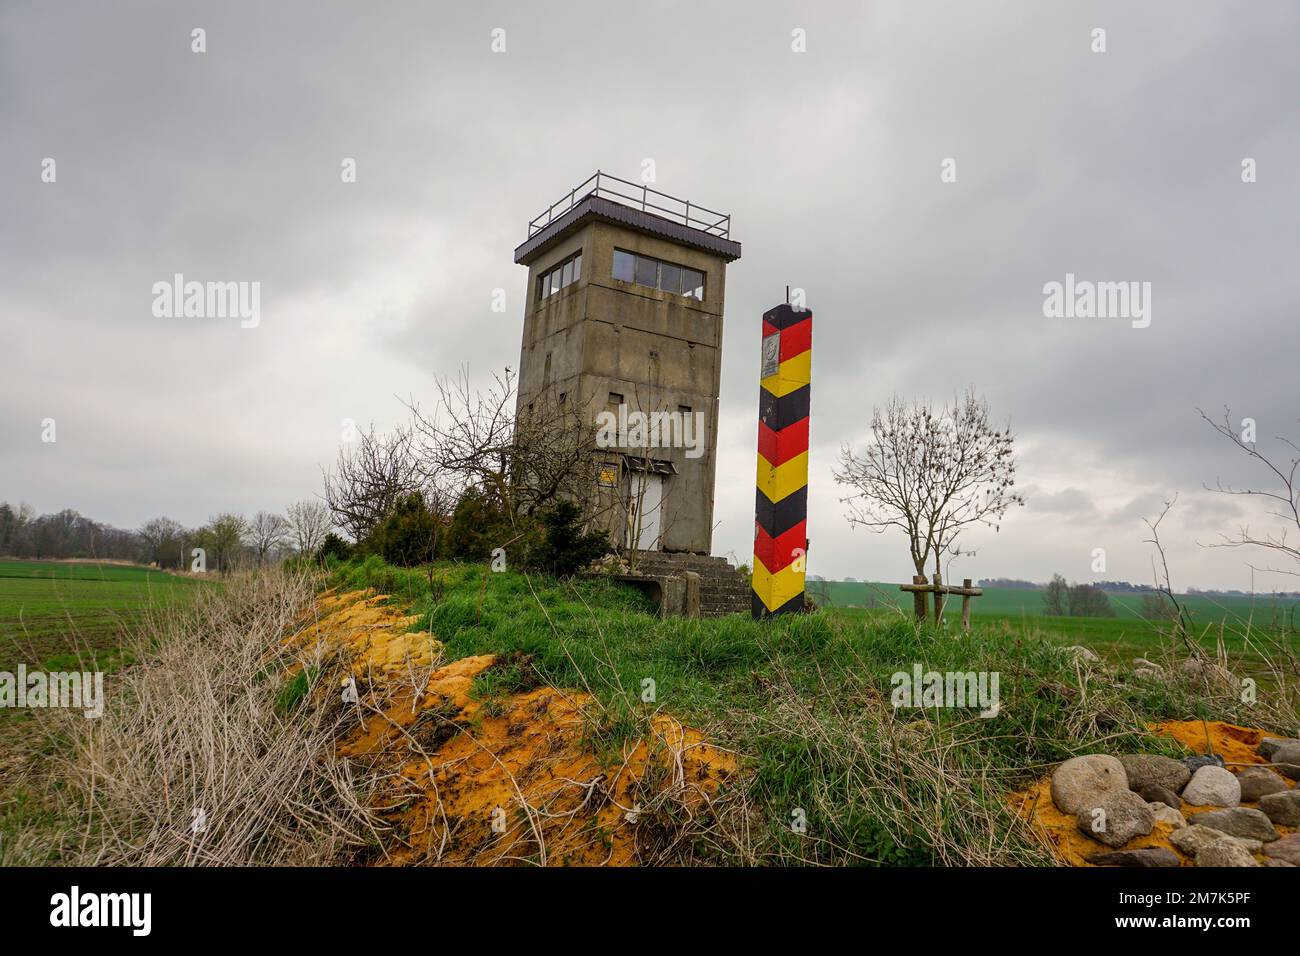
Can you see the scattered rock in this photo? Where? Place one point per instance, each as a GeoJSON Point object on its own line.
{"type": "Point", "coordinates": [1212, 786]}
{"type": "Point", "coordinates": [1080, 652]}
{"type": "Point", "coordinates": [1143, 769]}
{"type": "Point", "coordinates": [1237, 821]}
{"type": "Point", "coordinates": [1116, 818]}
{"type": "Point", "coordinates": [1194, 668]}
{"type": "Point", "coordinates": [1202, 760]}
{"type": "Point", "coordinates": [1145, 668]}
{"type": "Point", "coordinates": [1194, 838]}
{"type": "Point", "coordinates": [1258, 782]}
{"type": "Point", "coordinates": [1268, 745]}
{"type": "Point", "coordinates": [1148, 856]}
{"type": "Point", "coordinates": [1166, 814]}
{"type": "Point", "coordinates": [1154, 793]}
{"type": "Point", "coordinates": [1083, 781]}
{"type": "Point", "coordinates": [1287, 849]}
{"type": "Point", "coordinates": [1287, 760]}
{"type": "Point", "coordinates": [1225, 853]}
{"type": "Point", "coordinates": [1282, 808]}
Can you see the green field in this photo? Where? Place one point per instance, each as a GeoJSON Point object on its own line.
{"type": "Point", "coordinates": [55, 614]}
{"type": "Point", "coordinates": [1126, 634]}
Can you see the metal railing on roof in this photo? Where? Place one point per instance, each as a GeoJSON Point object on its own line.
{"type": "Point", "coordinates": [637, 196]}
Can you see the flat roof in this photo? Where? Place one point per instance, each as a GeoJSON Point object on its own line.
{"type": "Point", "coordinates": [598, 208]}
{"type": "Point", "coordinates": [636, 205]}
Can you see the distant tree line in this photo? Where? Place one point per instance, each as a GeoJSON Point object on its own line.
{"type": "Point", "coordinates": [460, 480]}
{"type": "Point", "coordinates": [63, 534]}
{"type": "Point", "coordinates": [1061, 599]}
{"type": "Point", "coordinates": [1010, 584]}
{"type": "Point", "coordinates": [228, 539]}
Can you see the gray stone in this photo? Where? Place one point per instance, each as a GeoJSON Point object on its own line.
{"type": "Point", "coordinates": [1287, 848]}
{"type": "Point", "coordinates": [1153, 793]}
{"type": "Point", "coordinates": [1225, 853]}
{"type": "Point", "coordinates": [1212, 787]}
{"type": "Point", "coordinates": [1167, 814]}
{"type": "Point", "coordinates": [1116, 818]}
{"type": "Point", "coordinates": [1083, 781]}
{"type": "Point", "coordinates": [1258, 782]}
{"type": "Point", "coordinates": [1080, 652]}
{"type": "Point", "coordinates": [1194, 838]}
{"type": "Point", "coordinates": [1202, 760]}
{"type": "Point", "coordinates": [1148, 856]}
{"type": "Point", "coordinates": [1207, 672]}
{"type": "Point", "coordinates": [1282, 808]}
{"type": "Point", "coordinates": [1268, 745]}
{"type": "Point", "coordinates": [1242, 822]}
{"type": "Point", "coordinates": [1145, 668]}
{"type": "Point", "coordinates": [1144, 769]}
{"type": "Point", "coordinates": [1286, 758]}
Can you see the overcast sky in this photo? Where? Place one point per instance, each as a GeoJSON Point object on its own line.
{"type": "Point", "coordinates": [1117, 166]}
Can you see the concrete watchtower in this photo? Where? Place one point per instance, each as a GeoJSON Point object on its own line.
{"type": "Point", "coordinates": [624, 315]}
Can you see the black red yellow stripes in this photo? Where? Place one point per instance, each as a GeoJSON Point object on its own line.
{"type": "Point", "coordinates": [781, 503]}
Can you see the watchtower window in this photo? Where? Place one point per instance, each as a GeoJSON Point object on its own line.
{"type": "Point", "coordinates": [555, 279]}
{"type": "Point", "coordinates": [657, 274]}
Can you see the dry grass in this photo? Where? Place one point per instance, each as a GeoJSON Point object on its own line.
{"type": "Point", "coordinates": [217, 748]}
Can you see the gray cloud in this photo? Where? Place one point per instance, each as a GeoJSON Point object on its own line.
{"type": "Point", "coordinates": [1119, 166]}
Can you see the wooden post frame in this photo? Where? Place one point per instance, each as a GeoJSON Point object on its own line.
{"type": "Point", "coordinates": [920, 589]}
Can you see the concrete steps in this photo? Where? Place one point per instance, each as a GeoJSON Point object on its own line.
{"type": "Point", "coordinates": [723, 589]}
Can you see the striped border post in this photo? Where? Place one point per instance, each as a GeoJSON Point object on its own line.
{"type": "Point", "coordinates": [781, 502]}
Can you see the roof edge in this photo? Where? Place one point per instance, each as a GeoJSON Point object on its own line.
{"type": "Point", "coordinates": [598, 208]}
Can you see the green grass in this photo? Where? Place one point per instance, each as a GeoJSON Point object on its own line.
{"type": "Point", "coordinates": [59, 615]}
{"type": "Point", "coordinates": [1126, 633]}
{"type": "Point", "coordinates": [805, 699]}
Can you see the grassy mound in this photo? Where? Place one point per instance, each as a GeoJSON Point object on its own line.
{"type": "Point", "coordinates": [833, 774]}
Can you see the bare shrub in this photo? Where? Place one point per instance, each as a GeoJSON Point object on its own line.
{"type": "Point", "coordinates": [471, 439]}
{"type": "Point", "coordinates": [368, 478]}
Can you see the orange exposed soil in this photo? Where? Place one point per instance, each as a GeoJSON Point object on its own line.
{"type": "Point", "coordinates": [1235, 744]}
{"type": "Point", "coordinates": [511, 778]}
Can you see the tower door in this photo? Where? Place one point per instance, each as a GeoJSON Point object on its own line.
{"type": "Point", "coordinates": [646, 510]}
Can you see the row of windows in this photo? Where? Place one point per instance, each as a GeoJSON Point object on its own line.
{"type": "Point", "coordinates": [629, 267]}
{"type": "Point", "coordinates": [566, 273]}
{"type": "Point", "coordinates": [657, 274]}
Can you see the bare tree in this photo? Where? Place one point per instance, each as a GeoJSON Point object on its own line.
{"type": "Point", "coordinates": [931, 475]}
{"type": "Point", "coordinates": [309, 522]}
{"type": "Point", "coordinates": [1087, 600]}
{"type": "Point", "coordinates": [222, 536]}
{"type": "Point", "coordinates": [266, 532]}
{"type": "Point", "coordinates": [160, 537]}
{"type": "Point", "coordinates": [368, 478]}
{"type": "Point", "coordinates": [473, 439]}
{"type": "Point", "coordinates": [1056, 597]}
{"type": "Point", "coordinates": [1283, 498]}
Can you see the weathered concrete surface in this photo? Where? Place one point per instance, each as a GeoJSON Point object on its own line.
{"type": "Point", "coordinates": [601, 337]}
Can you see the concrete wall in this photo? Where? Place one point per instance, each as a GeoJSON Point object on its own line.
{"type": "Point", "coordinates": [659, 350]}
